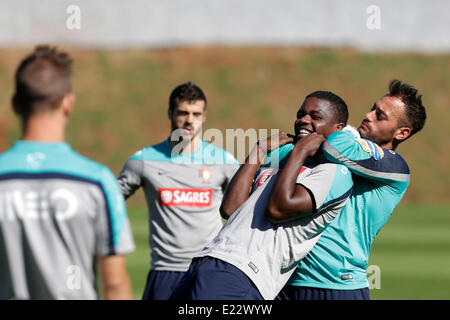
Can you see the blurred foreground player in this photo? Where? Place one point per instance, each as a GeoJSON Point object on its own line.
{"type": "Point", "coordinates": [183, 179]}
{"type": "Point", "coordinates": [336, 268]}
{"type": "Point", "coordinates": [60, 213]}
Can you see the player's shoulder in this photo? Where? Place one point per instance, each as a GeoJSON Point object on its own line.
{"type": "Point", "coordinates": [346, 142]}
{"type": "Point", "coordinates": [278, 157]}
{"type": "Point", "coordinates": [157, 152]}
{"type": "Point", "coordinates": [341, 172]}
{"type": "Point", "coordinates": [9, 161]}
{"type": "Point", "coordinates": [47, 158]}
{"type": "Point", "coordinates": [86, 167]}
{"type": "Point", "coordinates": [207, 153]}
{"type": "Point", "coordinates": [6, 156]}
{"type": "Point", "coordinates": [394, 162]}
{"type": "Point", "coordinates": [349, 144]}
{"type": "Point", "coordinates": [217, 155]}
{"type": "Point", "coordinates": [351, 133]}
{"type": "Point", "coordinates": [17, 151]}
{"type": "Point", "coordinates": [371, 156]}
{"type": "Point", "coordinates": [335, 169]}
{"type": "Point", "coordinates": [348, 136]}
{"type": "Point", "coordinates": [338, 175]}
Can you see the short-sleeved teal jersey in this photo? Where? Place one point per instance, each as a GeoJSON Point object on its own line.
{"type": "Point", "coordinates": [381, 176]}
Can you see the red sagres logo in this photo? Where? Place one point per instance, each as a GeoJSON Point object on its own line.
{"type": "Point", "coordinates": [175, 197]}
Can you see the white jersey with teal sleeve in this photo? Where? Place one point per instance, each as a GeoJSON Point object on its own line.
{"type": "Point", "coordinates": [58, 211]}
{"type": "Point", "coordinates": [183, 194]}
{"type": "Point", "coordinates": [381, 176]}
{"type": "Point", "coordinates": [268, 254]}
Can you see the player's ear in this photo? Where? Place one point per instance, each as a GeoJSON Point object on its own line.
{"type": "Point", "coordinates": [67, 104]}
{"type": "Point", "coordinates": [340, 126]}
{"type": "Point", "coordinates": [402, 133]}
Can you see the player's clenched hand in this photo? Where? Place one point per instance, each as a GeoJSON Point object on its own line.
{"type": "Point", "coordinates": [310, 143]}
{"type": "Point", "coordinates": [275, 141]}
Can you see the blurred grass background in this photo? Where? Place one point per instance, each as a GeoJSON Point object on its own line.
{"type": "Point", "coordinates": [121, 106]}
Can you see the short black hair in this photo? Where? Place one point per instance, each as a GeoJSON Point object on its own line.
{"type": "Point", "coordinates": [337, 103]}
{"type": "Point", "coordinates": [414, 109]}
{"type": "Point", "coordinates": [185, 92]}
{"type": "Point", "coordinates": [42, 80]}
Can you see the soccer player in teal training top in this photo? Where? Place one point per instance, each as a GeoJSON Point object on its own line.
{"type": "Point", "coordinates": [60, 213]}
{"type": "Point", "coordinates": [183, 179]}
{"type": "Point", "coordinates": [336, 266]}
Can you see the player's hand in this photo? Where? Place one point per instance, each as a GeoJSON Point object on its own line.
{"type": "Point", "coordinates": [310, 143]}
{"type": "Point", "coordinates": [275, 141]}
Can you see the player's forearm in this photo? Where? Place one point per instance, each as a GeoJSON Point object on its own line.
{"type": "Point", "coordinates": [126, 188]}
{"type": "Point", "coordinates": [119, 290]}
{"type": "Point", "coordinates": [238, 189]}
{"type": "Point", "coordinates": [115, 280]}
{"type": "Point", "coordinates": [129, 179]}
{"type": "Point", "coordinates": [285, 201]}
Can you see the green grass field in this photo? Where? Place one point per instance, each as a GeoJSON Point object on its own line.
{"type": "Point", "coordinates": [412, 251]}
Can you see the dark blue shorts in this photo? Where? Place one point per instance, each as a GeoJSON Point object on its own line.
{"type": "Point", "coordinates": [161, 284]}
{"type": "Point", "coordinates": [307, 293]}
{"type": "Point", "coordinates": [213, 279]}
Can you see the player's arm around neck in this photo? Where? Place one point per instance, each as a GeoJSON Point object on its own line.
{"type": "Point", "coordinates": [114, 277]}
{"type": "Point", "coordinates": [239, 187]}
{"type": "Point", "coordinates": [238, 190]}
{"type": "Point", "coordinates": [288, 199]}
